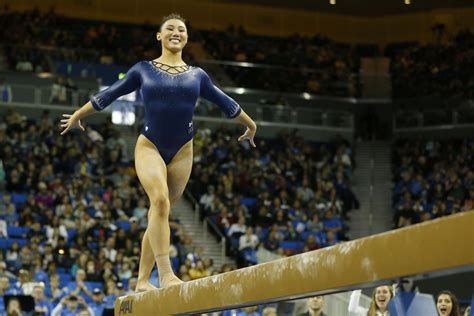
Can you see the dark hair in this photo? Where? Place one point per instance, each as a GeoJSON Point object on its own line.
{"type": "Point", "coordinates": [172, 16]}
{"type": "Point", "coordinates": [456, 311]}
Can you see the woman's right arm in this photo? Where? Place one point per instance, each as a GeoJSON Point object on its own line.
{"type": "Point", "coordinates": [104, 98]}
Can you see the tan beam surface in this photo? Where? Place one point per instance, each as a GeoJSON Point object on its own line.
{"type": "Point", "coordinates": [440, 244]}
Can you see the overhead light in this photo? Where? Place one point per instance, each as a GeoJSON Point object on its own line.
{"type": "Point", "coordinates": [333, 2]}
{"type": "Point", "coordinates": [306, 95]}
{"type": "Point", "coordinates": [407, 2]}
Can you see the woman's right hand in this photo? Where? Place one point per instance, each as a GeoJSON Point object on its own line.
{"type": "Point", "coordinates": [69, 122]}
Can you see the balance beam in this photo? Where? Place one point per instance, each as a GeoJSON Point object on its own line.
{"type": "Point", "coordinates": [424, 249]}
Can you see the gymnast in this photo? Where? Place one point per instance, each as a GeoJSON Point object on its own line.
{"type": "Point", "coordinates": [164, 150]}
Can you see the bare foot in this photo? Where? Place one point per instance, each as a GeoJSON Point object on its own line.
{"type": "Point", "coordinates": [169, 281]}
{"type": "Point", "coordinates": [145, 287]}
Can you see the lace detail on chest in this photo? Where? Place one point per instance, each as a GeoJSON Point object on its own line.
{"type": "Point", "coordinates": [172, 70]}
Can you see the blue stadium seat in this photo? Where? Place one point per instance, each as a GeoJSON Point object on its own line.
{"type": "Point", "coordinates": [61, 270]}
{"type": "Point", "coordinates": [248, 201]}
{"type": "Point", "coordinates": [64, 279]}
{"type": "Point", "coordinates": [71, 234]}
{"type": "Point", "coordinates": [125, 225]}
{"type": "Point", "coordinates": [93, 285]}
{"type": "Point", "coordinates": [321, 237]}
{"type": "Point", "coordinates": [304, 235]}
{"type": "Point", "coordinates": [18, 232]}
{"type": "Point", "coordinates": [5, 243]}
{"type": "Point", "coordinates": [18, 198]}
{"type": "Point", "coordinates": [293, 245]}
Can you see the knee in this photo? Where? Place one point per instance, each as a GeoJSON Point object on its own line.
{"type": "Point", "coordinates": [174, 198]}
{"type": "Point", "coordinates": [161, 205]}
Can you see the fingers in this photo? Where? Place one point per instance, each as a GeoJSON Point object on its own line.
{"type": "Point", "coordinates": [67, 115]}
{"type": "Point", "coordinates": [252, 142]}
{"type": "Point", "coordinates": [65, 131]}
{"type": "Point", "coordinates": [81, 127]}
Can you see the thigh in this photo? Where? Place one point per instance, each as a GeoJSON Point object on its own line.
{"type": "Point", "coordinates": [179, 171]}
{"type": "Point", "coordinates": [151, 169]}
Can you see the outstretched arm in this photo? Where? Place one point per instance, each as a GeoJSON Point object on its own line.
{"type": "Point", "coordinates": [245, 120]}
{"type": "Point", "coordinates": [101, 100]}
{"type": "Point", "coordinates": [210, 92]}
{"type": "Point", "coordinates": [74, 121]}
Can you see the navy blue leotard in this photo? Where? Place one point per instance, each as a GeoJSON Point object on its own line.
{"type": "Point", "coordinates": [170, 100]}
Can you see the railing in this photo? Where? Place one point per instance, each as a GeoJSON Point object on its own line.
{"type": "Point", "coordinates": [207, 222]}
{"type": "Point", "coordinates": [43, 95]}
{"type": "Point", "coordinates": [431, 119]}
{"type": "Point", "coordinates": [304, 117]}
{"type": "Point", "coordinates": [278, 115]}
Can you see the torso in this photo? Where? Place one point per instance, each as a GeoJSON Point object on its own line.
{"type": "Point", "coordinates": [170, 100]}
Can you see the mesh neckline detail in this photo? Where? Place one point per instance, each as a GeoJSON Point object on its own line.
{"type": "Point", "coordinates": [172, 70]}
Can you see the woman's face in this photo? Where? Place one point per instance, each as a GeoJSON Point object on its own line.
{"type": "Point", "coordinates": [382, 296]}
{"type": "Point", "coordinates": [173, 35]}
{"type": "Point", "coordinates": [444, 305]}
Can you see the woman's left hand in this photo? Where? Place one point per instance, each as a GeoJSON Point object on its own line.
{"type": "Point", "coordinates": [249, 134]}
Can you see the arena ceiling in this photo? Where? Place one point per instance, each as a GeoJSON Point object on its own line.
{"type": "Point", "coordinates": [362, 7]}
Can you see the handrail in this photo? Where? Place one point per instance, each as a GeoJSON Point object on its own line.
{"type": "Point", "coordinates": [422, 123]}
{"type": "Point", "coordinates": [207, 222]}
{"type": "Point", "coordinates": [265, 115]}
{"type": "Point", "coordinates": [260, 65]}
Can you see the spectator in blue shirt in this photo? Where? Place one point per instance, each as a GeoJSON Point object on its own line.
{"type": "Point", "coordinates": [71, 305]}
{"type": "Point", "coordinates": [78, 287]}
{"type": "Point", "coordinates": [42, 304]}
{"type": "Point", "coordinates": [331, 223]}
{"type": "Point", "coordinates": [97, 304]}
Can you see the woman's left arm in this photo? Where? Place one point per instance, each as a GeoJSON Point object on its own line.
{"type": "Point", "coordinates": [249, 134]}
{"type": "Point", "coordinates": [210, 92]}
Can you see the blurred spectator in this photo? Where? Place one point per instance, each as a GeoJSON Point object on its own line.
{"type": "Point", "coordinates": [447, 304]}
{"type": "Point", "coordinates": [71, 305]}
{"type": "Point", "coordinates": [199, 271]}
{"type": "Point", "coordinates": [467, 311]}
{"type": "Point", "coordinates": [249, 311]}
{"type": "Point", "coordinates": [5, 91]}
{"type": "Point", "coordinates": [78, 287]}
{"type": "Point", "coordinates": [58, 92]}
{"type": "Point", "coordinates": [248, 245]}
{"type": "Point", "coordinates": [14, 307]}
{"type": "Point", "coordinates": [269, 311]}
{"type": "Point", "coordinates": [315, 306]}
{"type": "Point", "coordinates": [97, 304]}
{"type": "Point", "coordinates": [42, 304]}
{"type": "Point", "coordinates": [24, 64]}
{"type": "Point", "coordinates": [381, 296]}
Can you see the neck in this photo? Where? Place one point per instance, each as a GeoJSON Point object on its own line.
{"type": "Point", "coordinates": [170, 58]}
{"type": "Point", "coordinates": [382, 309]}
{"type": "Point", "coordinates": [315, 312]}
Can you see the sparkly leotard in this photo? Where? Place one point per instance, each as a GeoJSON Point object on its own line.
{"type": "Point", "coordinates": [170, 99]}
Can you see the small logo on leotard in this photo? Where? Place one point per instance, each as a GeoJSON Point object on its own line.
{"type": "Point", "coordinates": [190, 127]}
{"type": "Point", "coordinates": [146, 128]}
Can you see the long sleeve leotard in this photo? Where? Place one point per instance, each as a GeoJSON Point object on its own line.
{"type": "Point", "coordinates": [170, 100]}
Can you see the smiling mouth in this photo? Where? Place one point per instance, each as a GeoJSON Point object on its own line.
{"type": "Point", "coordinates": [175, 40]}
